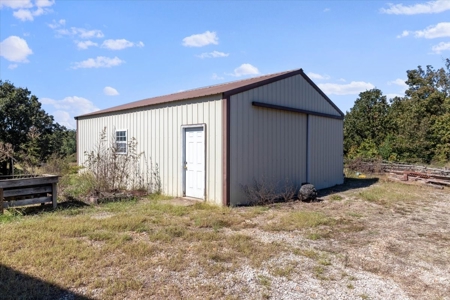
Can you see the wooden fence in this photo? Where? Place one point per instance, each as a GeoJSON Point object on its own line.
{"type": "Point", "coordinates": [22, 190]}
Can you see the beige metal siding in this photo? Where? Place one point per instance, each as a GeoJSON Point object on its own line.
{"type": "Point", "coordinates": [293, 92]}
{"type": "Point", "coordinates": [271, 144]}
{"type": "Point", "coordinates": [158, 132]}
{"type": "Point", "coordinates": [265, 145]}
{"type": "Point", "coordinates": [325, 152]}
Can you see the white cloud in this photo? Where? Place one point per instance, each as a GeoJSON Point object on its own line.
{"type": "Point", "coordinates": [431, 7]}
{"type": "Point", "coordinates": [431, 32]}
{"type": "Point", "coordinates": [87, 34]}
{"type": "Point", "coordinates": [318, 76]}
{"type": "Point", "coordinates": [110, 91]}
{"type": "Point", "coordinates": [140, 44]}
{"type": "Point", "coordinates": [245, 69]}
{"type": "Point", "coordinates": [69, 107]}
{"type": "Point", "coordinates": [58, 24]}
{"type": "Point", "coordinates": [440, 47]}
{"type": "Point", "coordinates": [200, 40]}
{"type": "Point", "coordinates": [117, 44]}
{"type": "Point", "coordinates": [63, 31]}
{"type": "Point", "coordinates": [98, 62]}
{"type": "Point", "coordinates": [44, 3]}
{"type": "Point", "coordinates": [64, 118]}
{"type": "Point", "coordinates": [15, 4]}
{"type": "Point", "coordinates": [12, 66]}
{"type": "Point", "coordinates": [75, 31]}
{"type": "Point", "coordinates": [392, 96]}
{"type": "Point", "coordinates": [401, 92]}
{"type": "Point", "coordinates": [23, 9]}
{"type": "Point", "coordinates": [23, 15]}
{"type": "Point", "coordinates": [404, 33]}
{"type": "Point", "coordinates": [85, 44]}
{"type": "Point", "coordinates": [39, 11]}
{"type": "Point", "coordinates": [15, 49]}
{"type": "Point", "coordinates": [399, 82]}
{"type": "Point", "coordinates": [352, 88]}
{"type": "Point", "coordinates": [327, 9]}
{"type": "Point", "coordinates": [213, 54]}
{"type": "Point", "coordinates": [216, 77]}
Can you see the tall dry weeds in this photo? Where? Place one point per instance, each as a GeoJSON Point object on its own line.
{"type": "Point", "coordinates": [114, 170]}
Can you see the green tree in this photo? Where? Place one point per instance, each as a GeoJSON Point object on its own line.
{"type": "Point", "coordinates": [414, 128]}
{"type": "Point", "coordinates": [367, 123]}
{"type": "Point", "coordinates": [20, 113]}
{"type": "Point", "coordinates": [420, 117]}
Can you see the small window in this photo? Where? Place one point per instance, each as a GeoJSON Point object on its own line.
{"type": "Point", "coordinates": [121, 141]}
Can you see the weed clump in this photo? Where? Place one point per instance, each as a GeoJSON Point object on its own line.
{"type": "Point", "coordinates": [109, 170]}
{"type": "Point", "coordinates": [114, 169]}
{"type": "Point", "coordinates": [264, 191]}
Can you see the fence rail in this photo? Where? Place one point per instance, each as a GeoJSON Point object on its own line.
{"type": "Point", "coordinates": [22, 190]}
{"type": "Point", "coordinates": [382, 166]}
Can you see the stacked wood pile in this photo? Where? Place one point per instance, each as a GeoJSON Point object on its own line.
{"type": "Point", "coordinates": [435, 177]}
{"type": "Point", "coordinates": [436, 181]}
{"type": "Point", "coordinates": [22, 190]}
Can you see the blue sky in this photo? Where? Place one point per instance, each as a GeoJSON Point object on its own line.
{"type": "Point", "coordinates": [80, 56]}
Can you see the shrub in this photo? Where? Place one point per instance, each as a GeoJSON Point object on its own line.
{"type": "Point", "coordinates": [263, 191]}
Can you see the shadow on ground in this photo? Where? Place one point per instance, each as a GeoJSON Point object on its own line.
{"type": "Point", "coordinates": [34, 210]}
{"type": "Point", "coordinates": [349, 184]}
{"type": "Point", "coordinates": [17, 285]}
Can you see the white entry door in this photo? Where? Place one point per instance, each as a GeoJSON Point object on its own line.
{"type": "Point", "coordinates": [195, 162]}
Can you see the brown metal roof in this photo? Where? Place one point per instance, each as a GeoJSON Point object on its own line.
{"type": "Point", "coordinates": [227, 89]}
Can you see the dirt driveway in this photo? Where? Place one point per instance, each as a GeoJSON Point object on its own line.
{"type": "Point", "coordinates": [390, 241]}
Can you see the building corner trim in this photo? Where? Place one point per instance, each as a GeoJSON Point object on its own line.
{"type": "Point", "coordinates": [225, 150]}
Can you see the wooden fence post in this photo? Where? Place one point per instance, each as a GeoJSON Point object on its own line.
{"type": "Point", "coordinates": [1, 201]}
{"type": "Point", "coordinates": [54, 194]}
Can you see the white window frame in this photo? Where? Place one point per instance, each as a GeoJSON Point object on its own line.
{"type": "Point", "coordinates": [121, 142]}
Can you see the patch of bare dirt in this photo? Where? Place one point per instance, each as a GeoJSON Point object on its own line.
{"type": "Point", "coordinates": [398, 251]}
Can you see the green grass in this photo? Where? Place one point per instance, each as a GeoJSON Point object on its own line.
{"type": "Point", "coordinates": [265, 281]}
{"type": "Point", "coordinates": [10, 216]}
{"type": "Point", "coordinates": [298, 220]}
{"type": "Point", "coordinates": [285, 271]}
{"type": "Point", "coordinates": [391, 193]}
{"type": "Point", "coordinates": [336, 197]}
{"type": "Point", "coordinates": [73, 247]}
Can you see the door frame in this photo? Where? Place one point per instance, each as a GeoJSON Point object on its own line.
{"type": "Point", "coordinates": [183, 156]}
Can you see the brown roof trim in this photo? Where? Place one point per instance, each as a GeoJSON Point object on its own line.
{"type": "Point", "coordinates": [226, 89]}
{"type": "Point", "coordinates": [226, 151]}
{"type": "Point", "coordinates": [320, 92]}
{"type": "Point", "coordinates": [281, 77]}
{"type": "Point", "coordinates": [218, 89]}
{"type": "Point", "coordinates": [261, 83]}
{"type": "Point", "coordinates": [297, 110]}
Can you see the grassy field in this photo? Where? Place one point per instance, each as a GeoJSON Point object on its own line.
{"type": "Point", "coordinates": [366, 239]}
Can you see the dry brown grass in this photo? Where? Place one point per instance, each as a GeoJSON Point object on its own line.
{"type": "Point", "coordinates": [153, 249]}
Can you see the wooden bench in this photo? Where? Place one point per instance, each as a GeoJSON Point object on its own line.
{"type": "Point", "coordinates": [22, 190]}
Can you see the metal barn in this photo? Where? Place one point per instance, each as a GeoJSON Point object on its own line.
{"type": "Point", "coordinates": [209, 142]}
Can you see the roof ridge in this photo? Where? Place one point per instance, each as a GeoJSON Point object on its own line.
{"type": "Point", "coordinates": [224, 83]}
{"type": "Point", "coordinates": [221, 88]}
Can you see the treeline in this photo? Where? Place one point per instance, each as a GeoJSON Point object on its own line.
{"type": "Point", "coordinates": [27, 132]}
{"type": "Point", "coordinates": [413, 128]}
